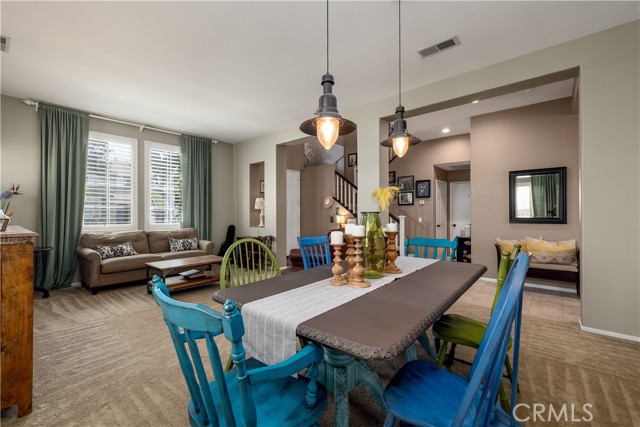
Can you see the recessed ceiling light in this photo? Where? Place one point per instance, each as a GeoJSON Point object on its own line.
{"type": "Point", "coordinates": [446, 130]}
{"type": "Point", "coordinates": [475, 101]}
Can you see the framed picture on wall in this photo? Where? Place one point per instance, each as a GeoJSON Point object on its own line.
{"type": "Point", "coordinates": [423, 189]}
{"type": "Point", "coordinates": [405, 183]}
{"type": "Point", "coordinates": [262, 185]}
{"type": "Point", "coordinates": [392, 178]}
{"type": "Point", "coordinates": [353, 160]}
{"type": "Point", "coordinates": [405, 198]}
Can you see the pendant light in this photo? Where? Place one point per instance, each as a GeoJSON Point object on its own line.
{"type": "Point", "coordinates": [327, 123]}
{"type": "Point", "coordinates": [399, 138]}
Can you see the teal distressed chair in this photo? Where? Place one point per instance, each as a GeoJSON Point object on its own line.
{"type": "Point", "coordinates": [315, 251]}
{"type": "Point", "coordinates": [424, 247]}
{"type": "Point", "coordinates": [250, 395]}
{"type": "Point", "coordinates": [246, 261]}
{"type": "Point", "coordinates": [423, 394]}
{"type": "Point", "coordinates": [456, 329]}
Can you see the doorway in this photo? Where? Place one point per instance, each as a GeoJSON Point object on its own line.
{"type": "Point", "coordinates": [460, 209]}
{"type": "Point", "coordinates": [293, 209]}
{"type": "Point", "coordinates": [441, 209]}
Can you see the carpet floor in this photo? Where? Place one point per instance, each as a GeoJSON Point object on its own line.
{"type": "Point", "coordinates": [107, 360]}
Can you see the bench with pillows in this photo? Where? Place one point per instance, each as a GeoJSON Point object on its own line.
{"type": "Point", "coordinates": [110, 258]}
{"type": "Point", "coordinates": [551, 260]}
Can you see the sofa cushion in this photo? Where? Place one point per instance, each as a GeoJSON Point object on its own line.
{"type": "Point", "coordinates": [159, 240]}
{"type": "Point", "coordinates": [127, 263]}
{"type": "Point", "coordinates": [180, 245]}
{"type": "Point", "coordinates": [544, 252]}
{"type": "Point", "coordinates": [558, 267]}
{"type": "Point", "coordinates": [115, 251]}
{"type": "Point", "coordinates": [182, 254]}
{"type": "Point", "coordinates": [137, 238]}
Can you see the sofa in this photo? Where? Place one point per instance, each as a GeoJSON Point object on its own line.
{"type": "Point", "coordinates": [96, 272]}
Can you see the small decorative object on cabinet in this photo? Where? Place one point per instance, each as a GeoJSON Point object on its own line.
{"type": "Point", "coordinates": [463, 253]}
{"type": "Point", "coordinates": [16, 282]}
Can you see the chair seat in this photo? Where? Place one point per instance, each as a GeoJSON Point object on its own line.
{"type": "Point", "coordinates": [424, 394]}
{"type": "Point", "coordinates": [278, 403]}
{"type": "Point", "coordinates": [462, 330]}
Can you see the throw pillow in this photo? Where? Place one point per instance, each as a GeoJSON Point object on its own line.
{"type": "Point", "coordinates": [544, 252]}
{"type": "Point", "coordinates": [178, 245]}
{"type": "Point", "coordinates": [114, 251]}
{"type": "Point", "coordinates": [507, 245]}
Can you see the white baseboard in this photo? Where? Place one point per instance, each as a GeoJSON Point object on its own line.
{"type": "Point", "coordinates": [609, 333]}
{"type": "Point", "coordinates": [76, 284]}
{"type": "Point", "coordinates": [539, 286]}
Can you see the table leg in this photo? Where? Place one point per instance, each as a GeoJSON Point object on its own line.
{"type": "Point", "coordinates": [341, 373]}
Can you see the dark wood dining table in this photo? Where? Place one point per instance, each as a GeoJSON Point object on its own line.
{"type": "Point", "coordinates": [381, 324]}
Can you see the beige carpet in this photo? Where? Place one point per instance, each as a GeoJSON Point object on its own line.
{"type": "Point", "coordinates": [107, 360]}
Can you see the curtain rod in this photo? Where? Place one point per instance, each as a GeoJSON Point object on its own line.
{"type": "Point", "coordinates": [111, 119]}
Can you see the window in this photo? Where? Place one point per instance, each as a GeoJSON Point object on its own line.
{"type": "Point", "coordinates": [163, 186]}
{"type": "Point", "coordinates": [109, 198]}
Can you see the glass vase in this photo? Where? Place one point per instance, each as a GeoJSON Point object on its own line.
{"type": "Point", "coordinates": [373, 245]}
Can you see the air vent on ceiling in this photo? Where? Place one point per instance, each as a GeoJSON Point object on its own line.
{"type": "Point", "coordinates": [4, 43]}
{"type": "Point", "coordinates": [439, 47]}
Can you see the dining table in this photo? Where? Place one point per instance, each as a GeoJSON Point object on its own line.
{"type": "Point", "coordinates": [379, 323]}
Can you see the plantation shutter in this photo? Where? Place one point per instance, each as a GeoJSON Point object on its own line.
{"type": "Point", "coordinates": [164, 186]}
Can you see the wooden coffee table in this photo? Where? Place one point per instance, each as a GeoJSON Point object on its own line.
{"type": "Point", "coordinates": [165, 268]}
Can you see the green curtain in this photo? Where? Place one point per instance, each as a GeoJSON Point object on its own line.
{"type": "Point", "coordinates": [64, 138]}
{"type": "Point", "coordinates": [196, 184]}
{"type": "Point", "coordinates": [544, 190]}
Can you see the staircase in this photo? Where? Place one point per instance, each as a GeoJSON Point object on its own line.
{"type": "Point", "coordinates": [346, 194]}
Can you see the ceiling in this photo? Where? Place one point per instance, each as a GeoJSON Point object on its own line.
{"type": "Point", "coordinates": [238, 70]}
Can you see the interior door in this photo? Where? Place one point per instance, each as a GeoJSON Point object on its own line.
{"type": "Point", "coordinates": [460, 206]}
{"type": "Point", "coordinates": [441, 209]}
{"type": "Point", "coordinates": [293, 209]}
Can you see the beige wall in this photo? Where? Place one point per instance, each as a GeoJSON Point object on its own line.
{"type": "Point", "coordinates": [608, 148]}
{"type": "Point", "coordinates": [420, 162]}
{"type": "Point", "coordinates": [20, 163]}
{"type": "Point", "coordinates": [350, 143]}
{"type": "Point", "coordinates": [537, 136]}
{"type": "Point", "coordinates": [315, 184]}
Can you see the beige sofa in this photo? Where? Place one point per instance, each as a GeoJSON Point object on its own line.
{"type": "Point", "coordinates": [150, 246]}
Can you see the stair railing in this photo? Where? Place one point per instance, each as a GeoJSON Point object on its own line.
{"type": "Point", "coordinates": [346, 193]}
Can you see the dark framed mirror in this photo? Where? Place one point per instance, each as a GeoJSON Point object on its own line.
{"type": "Point", "coordinates": [538, 196]}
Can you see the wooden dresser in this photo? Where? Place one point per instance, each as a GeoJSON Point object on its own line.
{"type": "Point", "coordinates": [16, 295]}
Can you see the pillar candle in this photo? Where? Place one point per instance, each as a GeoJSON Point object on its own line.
{"type": "Point", "coordinates": [337, 238]}
{"type": "Point", "coordinates": [392, 226]}
{"type": "Point", "coordinates": [359, 231]}
{"type": "Point", "coordinates": [348, 229]}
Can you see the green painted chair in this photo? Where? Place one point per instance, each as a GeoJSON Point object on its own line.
{"type": "Point", "coordinates": [246, 261]}
{"type": "Point", "coordinates": [456, 329]}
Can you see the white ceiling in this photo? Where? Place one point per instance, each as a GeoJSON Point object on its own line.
{"type": "Point", "coordinates": [237, 70]}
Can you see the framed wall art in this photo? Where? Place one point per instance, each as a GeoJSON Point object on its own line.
{"type": "Point", "coordinates": [353, 160]}
{"type": "Point", "coordinates": [405, 182]}
{"type": "Point", "coordinates": [405, 198]}
{"type": "Point", "coordinates": [392, 178]}
{"type": "Point", "coordinates": [423, 189]}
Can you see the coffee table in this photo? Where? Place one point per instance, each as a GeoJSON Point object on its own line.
{"type": "Point", "coordinates": [167, 267]}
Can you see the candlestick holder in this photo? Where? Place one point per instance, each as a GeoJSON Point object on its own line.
{"type": "Point", "coordinates": [391, 253]}
{"type": "Point", "coordinates": [356, 280]}
{"type": "Point", "coordinates": [337, 279]}
{"type": "Point", "coordinates": [351, 260]}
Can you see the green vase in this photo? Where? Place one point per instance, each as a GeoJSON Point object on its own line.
{"type": "Point", "coordinates": [372, 245]}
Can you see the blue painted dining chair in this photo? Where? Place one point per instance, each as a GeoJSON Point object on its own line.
{"type": "Point", "coordinates": [423, 394]}
{"type": "Point", "coordinates": [315, 251]}
{"type": "Point", "coordinates": [251, 394]}
{"type": "Point", "coordinates": [424, 247]}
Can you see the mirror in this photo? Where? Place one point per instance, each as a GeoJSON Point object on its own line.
{"type": "Point", "coordinates": [538, 196]}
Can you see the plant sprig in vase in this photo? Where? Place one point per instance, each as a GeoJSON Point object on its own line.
{"type": "Point", "coordinates": [384, 196]}
{"type": "Point", "coordinates": [6, 196]}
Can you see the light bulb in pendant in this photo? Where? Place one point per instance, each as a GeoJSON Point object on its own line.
{"type": "Point", "coordinates": [328, 130]}
{"type": "Point", "coordinates": [400, 146]}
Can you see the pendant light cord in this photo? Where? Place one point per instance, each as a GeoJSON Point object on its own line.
{"type": "Point", "coordinates": [399, 56]}
{"type": "Point", "coordinates": [327, 36]}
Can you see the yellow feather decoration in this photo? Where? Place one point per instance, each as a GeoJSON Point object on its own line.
{"type": "Point", "coordinates": [384, 196]}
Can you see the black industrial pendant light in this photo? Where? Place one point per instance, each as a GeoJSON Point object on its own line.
{"type": "Point", "coordinates": [399, 137]}
{"type": "Point", "coordinates": [327, 123]}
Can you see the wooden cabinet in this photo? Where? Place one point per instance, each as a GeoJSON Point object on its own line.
{"type": "Point", "coordinates": [16, 295]}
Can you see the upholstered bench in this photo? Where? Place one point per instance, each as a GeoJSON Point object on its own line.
{"type": "Point", "coordinates": [567, 271]}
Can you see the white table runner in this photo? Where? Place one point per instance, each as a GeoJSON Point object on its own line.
{"type": "Point", "coordinates": [270, 323]}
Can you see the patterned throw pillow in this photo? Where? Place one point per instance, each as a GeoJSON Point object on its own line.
{"type": "Point", "coordinates": [178, 245]}
{"type": "Point", "coordinates": [113, 251]}
{"type": "Point", "coordinates": [507, 245]}
{"type": "Point", "coordinates": [543, 252]}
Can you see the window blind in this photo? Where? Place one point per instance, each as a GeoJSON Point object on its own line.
{"type": "Point", "coordinates": [165, 185]}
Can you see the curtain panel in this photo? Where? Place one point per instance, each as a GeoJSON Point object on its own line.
{"type": "Point", "coordinates": [64, 138]}
{"type": "Point", "coordinates": [196, 184]}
